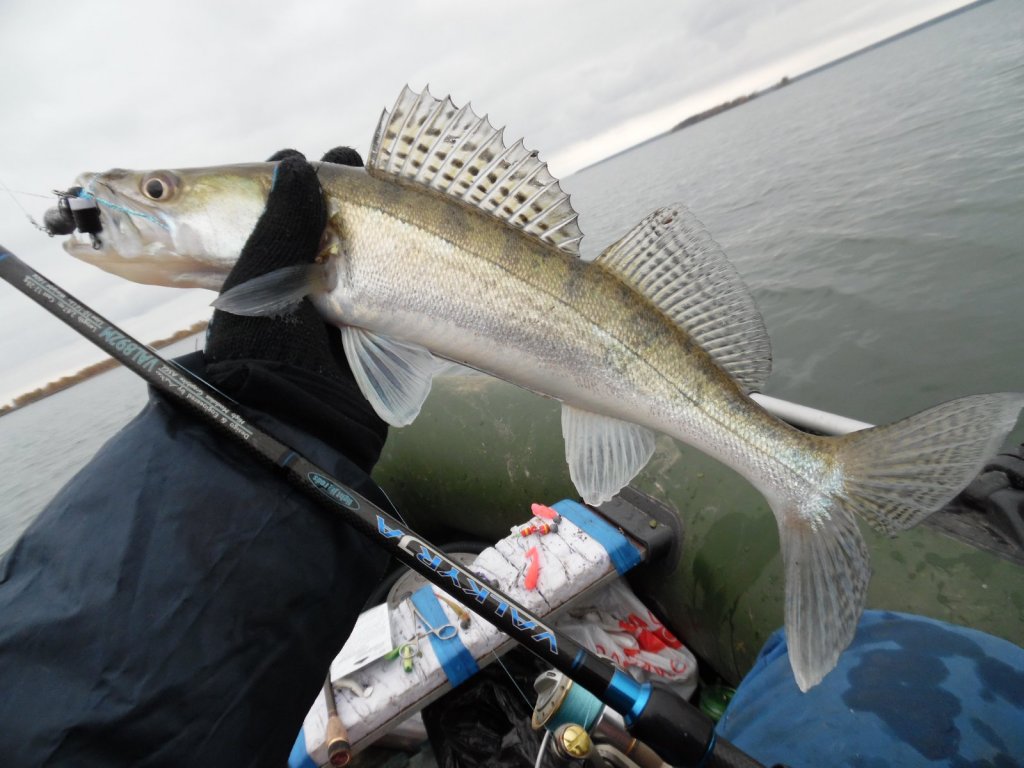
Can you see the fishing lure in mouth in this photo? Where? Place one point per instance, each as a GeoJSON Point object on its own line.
{"type": "Point", "coordinates": [74, 212]}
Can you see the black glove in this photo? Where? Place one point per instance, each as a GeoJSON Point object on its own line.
{"type": "Point", "coordinates": [287, 234]}
{"type": "Point", "coordinates": [242, 351]}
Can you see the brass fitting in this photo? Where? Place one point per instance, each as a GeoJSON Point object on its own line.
{"type": "Point", "coordinates": [573, 741]}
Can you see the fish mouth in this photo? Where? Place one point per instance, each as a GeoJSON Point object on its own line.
{"type": "Point", "coordinates": [118, 238]}
{"type": "Point", "coordinates": [78, 244]}
{"type": "Point", "coordinates": [134, 250]}
{"type": "Point", "coordinates": [95, 250]}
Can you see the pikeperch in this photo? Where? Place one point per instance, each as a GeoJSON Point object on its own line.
{"type": "Point", "coordinates": [454, 245]}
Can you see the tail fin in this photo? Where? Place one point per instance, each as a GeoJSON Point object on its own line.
{"type": "Point", "coordinates": [893, 476]}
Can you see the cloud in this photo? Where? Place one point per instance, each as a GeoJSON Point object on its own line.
{"type": "Point", "coordinates": [198, 83]}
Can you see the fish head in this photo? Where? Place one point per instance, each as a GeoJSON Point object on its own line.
{"type": "Point", "coordinates": [180, 228]}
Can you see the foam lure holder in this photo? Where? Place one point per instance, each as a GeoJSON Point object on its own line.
{"type": "Point", "coordinates": [680, 733]}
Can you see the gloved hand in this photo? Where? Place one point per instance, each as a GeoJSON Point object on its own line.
{"type": "Point", "coordinates": [177, 603]}
{"type": "Point", "coordinates": [289, 233]}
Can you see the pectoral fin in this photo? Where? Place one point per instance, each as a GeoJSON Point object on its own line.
{"type": "Point", "coordinates": [603, 453]}
{"type": "Point", "coordinates": [275, 293]}
{"type": "Point", "coordinates": [395, 376]}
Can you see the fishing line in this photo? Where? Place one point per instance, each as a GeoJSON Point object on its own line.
{"type": "Point", "coordinates": [393, 507]}
{"type": "Point", "coordinates": [529, 704]}
{"type": "Point", "coordinates": [28, 215]}
{"type": "Point", "coordinates": [85, 193]}
{"type": "Point", "coordinates": [543, 748]}
{"type": "Point", "coordinates": [31, 194]}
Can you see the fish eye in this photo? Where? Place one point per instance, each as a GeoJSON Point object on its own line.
{"type": "Point", "coordinates": [158, 186]}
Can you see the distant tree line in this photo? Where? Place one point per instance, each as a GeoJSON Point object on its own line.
{"type": "Point", "coordinates": [728, 105]}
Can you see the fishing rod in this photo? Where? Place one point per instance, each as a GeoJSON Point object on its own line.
{"type": "Point", "coordinates": [678, 732]}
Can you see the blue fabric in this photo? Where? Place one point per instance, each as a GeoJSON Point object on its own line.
{"type": "Point", "coordinates": [909, 691]}
{"type": "Point", "coordinates": [456, 660]}
{"type": "Point", "coordinates": [623, 554]}
{"type": "Point", "coordinates": [299, 757]}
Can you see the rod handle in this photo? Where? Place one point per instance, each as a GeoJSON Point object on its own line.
{"type": "Point", "coordinates": [339, 750]}
{"type": "Point", "coordinates": [683, 735]}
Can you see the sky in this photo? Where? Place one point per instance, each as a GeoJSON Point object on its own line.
{"type": "Point", "coordinates": [91, 86]}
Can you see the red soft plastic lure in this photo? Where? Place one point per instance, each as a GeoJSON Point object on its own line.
{"type": "Point", "coordinates": [539, 510]}
{"type": "Point", "coordinates": [533, 569]}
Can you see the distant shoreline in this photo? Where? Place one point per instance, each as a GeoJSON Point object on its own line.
{"type": "Point", "coordinates": [787, 80]}
{"type": "Point", "coordinates": [59, 385]}
{"type": "Point", "coordinates": [692, 119]}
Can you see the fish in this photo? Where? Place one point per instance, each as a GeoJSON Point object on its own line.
{"type": "Point", "coordinates": [454, 245]}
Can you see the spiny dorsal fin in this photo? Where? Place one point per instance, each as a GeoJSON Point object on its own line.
{"type": "Point", "coordinates": [671, 259]}
{"type": "Point", "coordinates": [454, 151]}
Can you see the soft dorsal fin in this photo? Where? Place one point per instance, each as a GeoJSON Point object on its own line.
{"type": "Point", "coordinates": [454, 151]}
{"type": "Point", "coordinates": [671, 259]}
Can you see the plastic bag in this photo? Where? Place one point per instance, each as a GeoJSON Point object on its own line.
{"type": "Point", "coordinates": [486, 720]}
{"type": "Point", "coordinates": [617, 626]}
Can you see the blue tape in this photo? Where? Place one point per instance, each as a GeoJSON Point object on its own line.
{"type": "Point", "coordinates": [456, 660]}
{"type": "Point", "coordinates": [299, 757]}
{"type": "Point", "coordinates": [623, 554]}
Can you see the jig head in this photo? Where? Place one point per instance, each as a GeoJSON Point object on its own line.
{"type": "Point", "coordinates": [74, 212]}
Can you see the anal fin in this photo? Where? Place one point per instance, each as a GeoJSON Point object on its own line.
{"type": "Point", "coordinates": [827, 574]}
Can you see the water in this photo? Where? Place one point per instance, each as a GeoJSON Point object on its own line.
{"type": "Point", "coordinates": [874, 209]}
{"type": "Point", "coordinates": [44, 444]}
